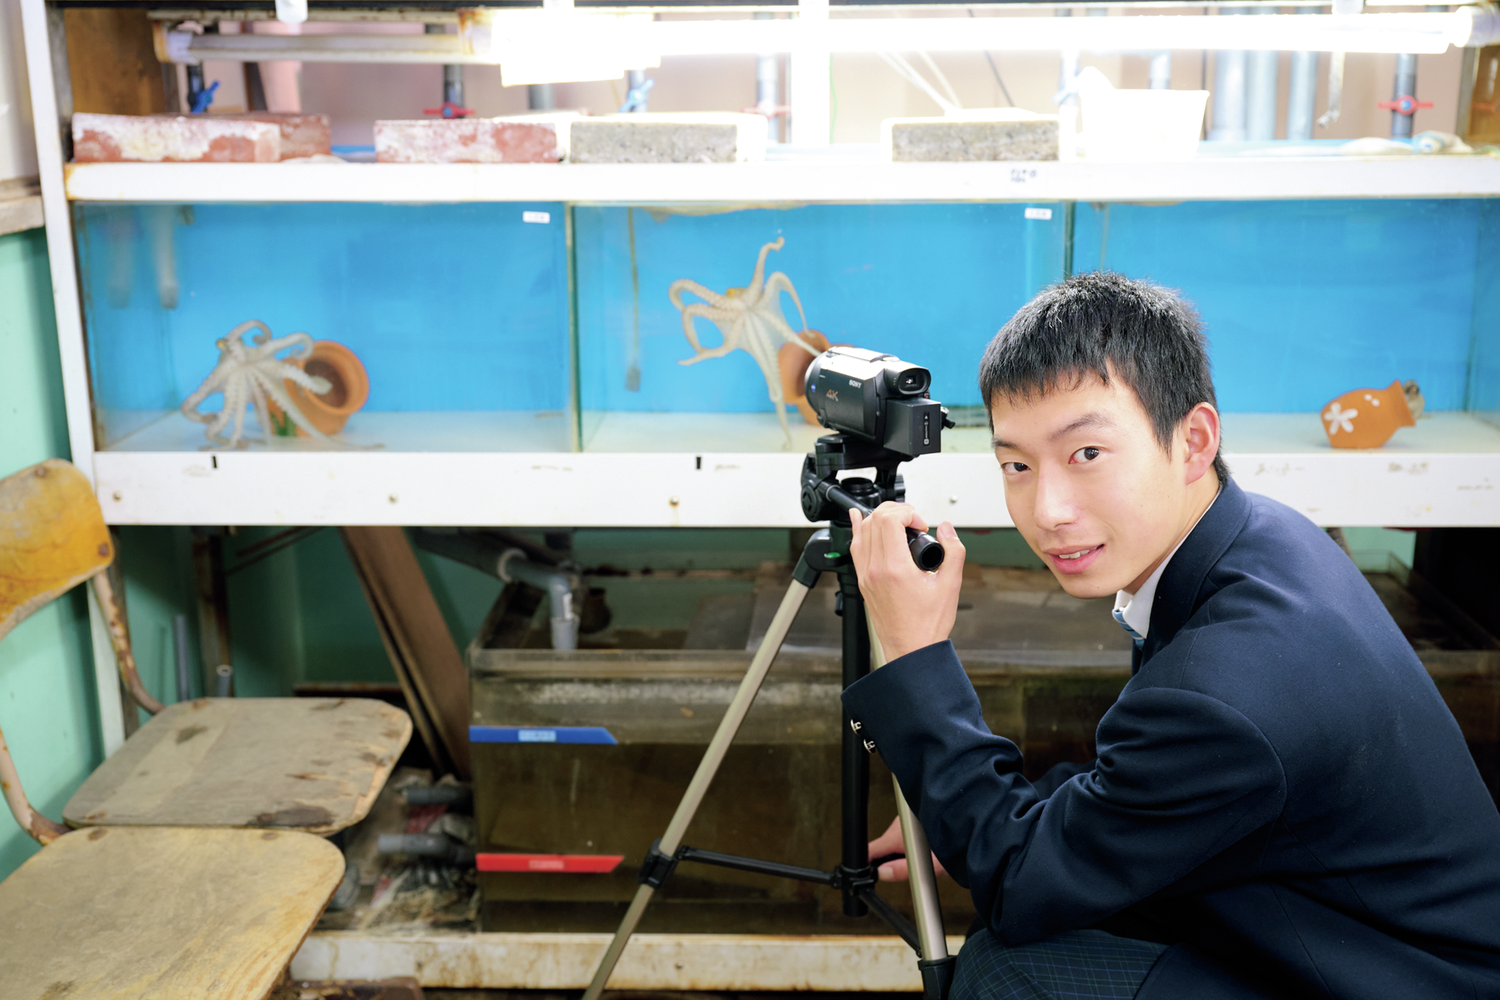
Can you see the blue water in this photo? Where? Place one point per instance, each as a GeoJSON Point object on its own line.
{"type": "Point", "coordinates": [466, 307]}
{"type": "Point", "coordinates": [929, 283]}
{"type": "Point", "coordinates": [450, 307]}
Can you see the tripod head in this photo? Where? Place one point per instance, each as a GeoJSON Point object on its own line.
{"type": "Point", "coordinates": [826, 498]}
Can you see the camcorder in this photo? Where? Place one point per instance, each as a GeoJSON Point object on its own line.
{"type": "Point", "coordinates": [876, 397]}
{"type": "Point", "coordinates": [878, 407]}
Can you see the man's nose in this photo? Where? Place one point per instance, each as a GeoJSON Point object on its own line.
{"type": "Point", "coordinates": [1054, 506]}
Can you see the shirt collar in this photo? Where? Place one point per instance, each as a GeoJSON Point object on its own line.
{"type": "Point", "coordinates": [1136, 608]}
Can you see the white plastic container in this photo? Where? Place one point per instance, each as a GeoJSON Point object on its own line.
{"type": "Point", "coordinates": [1137, 124]}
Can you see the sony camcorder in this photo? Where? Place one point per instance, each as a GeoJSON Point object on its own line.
{"type": "Point", "coordinates": [876, 397]}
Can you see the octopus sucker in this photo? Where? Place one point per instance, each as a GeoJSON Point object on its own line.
{"type": "Point", "coordinates": [250, 376]}
{"type": "Point", "coordinates": [749, 319]}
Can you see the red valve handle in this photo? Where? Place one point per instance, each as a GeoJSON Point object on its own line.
{"type": "Point", "coordinates": [451, 110]}
{"type": "Point", "coordinates": [1404, 105]}
{"type": "Point", "coordinates": [772, 112]}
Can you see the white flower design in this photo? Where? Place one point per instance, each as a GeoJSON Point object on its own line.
{"type": "Point", "coordinates": [1338, 417]}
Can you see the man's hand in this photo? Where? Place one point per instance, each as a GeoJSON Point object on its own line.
{"type": "Point", "coordinates": [889, 843]}
{"type": "Point", "coordinates": [910, 608]}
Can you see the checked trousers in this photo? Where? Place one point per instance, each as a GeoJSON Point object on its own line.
{"type": "Point", "coordinates": [1076, 965]}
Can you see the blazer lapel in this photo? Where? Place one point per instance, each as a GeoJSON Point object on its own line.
{"type": "Point", "coordinates": [1177, 591]}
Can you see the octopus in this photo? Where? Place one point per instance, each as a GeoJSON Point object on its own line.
{"type": "Point", "coordinates": [749, 319]}
{"type": "Point", "coordinates": [248, 376]}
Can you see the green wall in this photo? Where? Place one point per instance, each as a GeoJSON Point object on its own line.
{"type": "Point", "coordinates": [47, 704]}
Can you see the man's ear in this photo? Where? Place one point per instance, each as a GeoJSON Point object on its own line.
{"type": "Point", "coordinates": [1200, 434]}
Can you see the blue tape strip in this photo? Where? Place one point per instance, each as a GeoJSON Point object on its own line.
{"type": "Point", "coordinates": [597, 735]}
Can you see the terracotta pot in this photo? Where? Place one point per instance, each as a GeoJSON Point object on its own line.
{"type": "Point", "coordinates": [350, 386]}
{"type": "Point", "coordinates": [1366, 418]}
{"type": "Point", "coordinates": [792, 361]}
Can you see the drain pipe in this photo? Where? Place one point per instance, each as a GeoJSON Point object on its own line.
{"type": "Point", "coordinates": [1261, 70]}
{"type": "Point", "coordinates": [510, 564]}
{"type": "Point", "coordinates": [514, 565]}
{"type": "Point", "coordinates": [1229, 91]}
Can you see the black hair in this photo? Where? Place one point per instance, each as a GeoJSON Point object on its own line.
{"type": "Point", "coordinates": [1103, 324]}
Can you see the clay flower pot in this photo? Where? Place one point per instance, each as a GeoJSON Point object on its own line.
{"type": "Point", "coordinates": [792, 361]}
{"type": "Point", "coordinates": [350, 386]}
{"type": "Point", "coordinates": [1366, 418]}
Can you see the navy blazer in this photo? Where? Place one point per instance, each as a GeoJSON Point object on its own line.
{"type": "Point", "coordinates": [1280, 792]}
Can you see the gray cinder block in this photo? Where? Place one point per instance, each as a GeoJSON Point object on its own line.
{"type": "Point", "coordinates": [668, 138]}
{"type": "Point", "coordinates": [910, 140]}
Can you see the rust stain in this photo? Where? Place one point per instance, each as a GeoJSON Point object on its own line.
{"type": "Point", "coordinates": [41, 472]}
{"type": "Point", "coordinates": [369, 758]}
{"type": "Point", "coordinates": [57, 990]}
{"type": "Point", "coordinates": [188, 732]}
{"type": "Point", "coordinates": [298, 815]}
{"type": "Point", "coordinates": [269, 835]}
{"type": "Point", "coordinates": [104, 550]}
{"type": "Point", "coordinates": [96, 833]}
{"type": "Point", "coordinates": [96, 815]}
{"type": "Point", "coordinates": [329, 706]}
{"type": "Point", "coordinates": [308, 776]}
{"type": "Point", "coordinates": [199, 704]}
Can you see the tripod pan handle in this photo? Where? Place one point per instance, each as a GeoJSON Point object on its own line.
{"type": "Point", "coordinates": [926, 551]}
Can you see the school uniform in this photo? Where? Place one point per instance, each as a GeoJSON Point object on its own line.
{"type": "Point", "coordinates": [1280, 797]}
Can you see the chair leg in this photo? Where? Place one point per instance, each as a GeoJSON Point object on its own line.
{"type": "Point", "coordinates": [119, 640]}
{"type": "Point", "coordinates": [40, 827]}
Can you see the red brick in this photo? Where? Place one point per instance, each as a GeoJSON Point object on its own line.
{"type": "Point", "coordinates": [466, 140]}
{"type": "Point", "coordinates": [180, 139]}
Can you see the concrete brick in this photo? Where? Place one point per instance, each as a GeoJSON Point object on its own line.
{"type": "Point", "coordinates": [1003, 137]}
{"type": "Point", "coordinates": [468, 140]}
{"type": "Point", "coordinates": [173, 139]}
{"type": "Point", "coordinates": [668, 138]}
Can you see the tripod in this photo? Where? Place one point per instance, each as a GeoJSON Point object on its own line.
{"type": "Point", "coordinates": [824, 497]}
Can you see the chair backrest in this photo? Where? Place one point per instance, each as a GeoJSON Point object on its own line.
{"type": "Point", "coordinates": [52, 538]}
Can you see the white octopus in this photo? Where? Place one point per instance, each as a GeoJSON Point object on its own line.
{"type": "Point", "coordinates": [749, 319]}
{"type": "Point", "coordinates": [246, 376]}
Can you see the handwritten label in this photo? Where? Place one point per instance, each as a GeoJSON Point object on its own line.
{"type": "Point", "coordinates": [1040, 214]}
{"type": "Point", "coordinates": [540, 218]}
{"type": "Point", "coordinates": [536, 736]}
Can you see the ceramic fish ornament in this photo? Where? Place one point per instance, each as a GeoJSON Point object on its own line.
{"type": "Point", "coordinates": [1366, 418]}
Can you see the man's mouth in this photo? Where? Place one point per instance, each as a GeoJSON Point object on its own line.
{"type": "Point", "coordinates": [1074, 560]}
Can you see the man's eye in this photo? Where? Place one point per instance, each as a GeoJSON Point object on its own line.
{"type": "Point", "coordinates": [1085, 455]}
{"type": "Point", "coordinates": [1011, 468]}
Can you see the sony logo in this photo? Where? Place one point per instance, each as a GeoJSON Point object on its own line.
{"type": "Point", "coordinates": [855, 384]}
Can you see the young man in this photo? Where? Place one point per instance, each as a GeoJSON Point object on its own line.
{"type": "Point", "coordinates": [1282, 805]}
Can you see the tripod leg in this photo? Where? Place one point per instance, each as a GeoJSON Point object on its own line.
{"type": "Point", "coordinates": [704, 776]}
{"type": "Point", "coordinates": [936, 964]}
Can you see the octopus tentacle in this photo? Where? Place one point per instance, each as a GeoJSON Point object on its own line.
{"type": "Point", "coordinates": [262, 411]}
{"type": "Point", "coordinates": [778, 283]}
{"type": "Point", "coordinates": [754, 291]}
{"type": "Point", "coordinates": [278, 393]}
{"type": "Point", "coordinates": [674, 292]}
{"type": "Point", "coordinates": [719, 317]}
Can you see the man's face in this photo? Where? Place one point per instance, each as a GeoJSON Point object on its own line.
{"type": "Point", "coordinates": [1088, 484]}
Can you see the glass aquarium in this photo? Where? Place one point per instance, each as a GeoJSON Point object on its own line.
{"type": "Point", "coordinates": [458, 315]}
{"type": "Point", "coordinates": [551, 327]}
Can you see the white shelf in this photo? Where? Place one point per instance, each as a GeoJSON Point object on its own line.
{"type": "Point", "coordinates": [1443, 472]}
{"type": "Point", "coordinates": [832, 178]}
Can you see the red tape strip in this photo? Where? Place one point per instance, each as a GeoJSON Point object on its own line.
{"type": "Point", "coordinates": [574, 864]}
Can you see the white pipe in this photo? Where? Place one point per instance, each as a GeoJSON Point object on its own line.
{"type": "Point", "coordinates": [1302, 94]}
{"type": "Point", "coordinates": [813, 35]}
{"type": "Point", "coordinates": [1161, 71]}
{"type": "Point", "coordinates": [1229, 86]}
{"type": "Point", "coordinates": [1261, 70]}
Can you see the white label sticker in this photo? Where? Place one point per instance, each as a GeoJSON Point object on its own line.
{"type": "Point", "coordinates": [1043, 214]}
{"type": "Point", "coordinates": [536, 736]}
{"type": "Point", "coordinates": [542, 218]}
